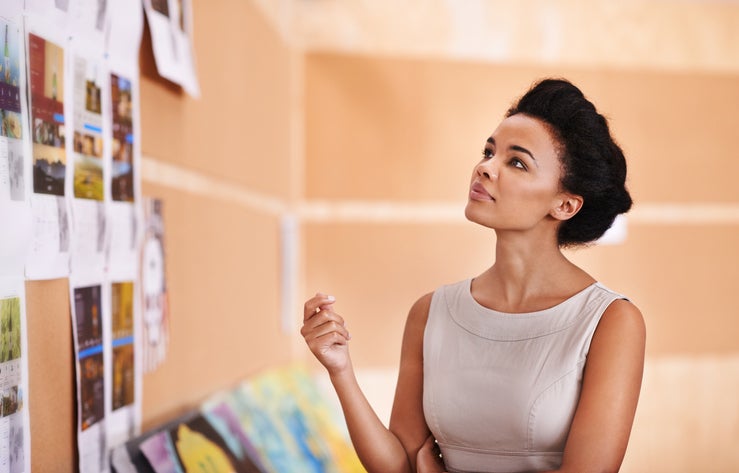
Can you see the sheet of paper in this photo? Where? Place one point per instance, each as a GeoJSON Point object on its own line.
{"type": "Point", "coordinates": [124, 203]}
{"type": "Point", "coordinates": [154, 287]}
{"type": "Point", "coordinates": [124, 369]}
{"type": "Point", "coordinates": [15, 434]}
{"type": "Point", "coordinates": [51, 12]}
{"type": "Point", "coordinates": [123, 217]}
{"type": "Point", "coordinates": [89, 323]}
{"type": "Point", "coordinates": [88, 19]}
{"type": "Point", "coordinates": [15, 212]}
{"type": "Point", "coordinates": [123, 37]}
{"type": "Point", "coordinates": [170, 24]}
{"type": "Point", "coordinates": [124, 210]}
{"type": "Point", "coordinates": [86, 188]}
{"type": "Point", "coordinates": [49, 253]}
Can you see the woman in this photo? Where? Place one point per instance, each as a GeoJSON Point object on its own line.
{"type": "Point", "coordinates": [531, 365]}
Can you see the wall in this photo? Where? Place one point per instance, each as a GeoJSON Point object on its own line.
{"type": "Point", "coordinates": [372, 154]}
{"type": "Point", "coordinates": [207, 159]}
{"type": "Point", "coordinates": [390, 144]}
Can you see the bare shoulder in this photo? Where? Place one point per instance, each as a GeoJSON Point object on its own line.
{"type": "Point", "coordinates": [420, 309]}
{"type": "Point", "coordinates": [621, 331]}
{"type": "Point", "coordinates": [416, 322]}
{"type": "Point", "coordinates": [623, 318]}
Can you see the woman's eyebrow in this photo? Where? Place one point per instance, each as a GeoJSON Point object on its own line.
{"type": "Point", "coordinates": [523, 150]}
{"type": "Point", "coordinates": [518, 148]}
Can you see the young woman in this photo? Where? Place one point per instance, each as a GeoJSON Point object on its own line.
{"type": "Point", "coordinates": [532, 365]}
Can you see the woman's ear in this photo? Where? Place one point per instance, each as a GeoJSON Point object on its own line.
{"type": "Point", "coordinates": [566, 206]}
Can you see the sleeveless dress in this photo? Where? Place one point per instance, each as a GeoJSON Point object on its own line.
{"type": "Point", "coordinates": [500, 390]}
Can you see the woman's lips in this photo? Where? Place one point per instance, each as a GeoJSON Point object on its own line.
{"type": "Point", "coordinates": [478, 192]}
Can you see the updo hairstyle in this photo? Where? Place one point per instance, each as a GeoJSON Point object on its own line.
{"type": "Point", "coordinates": [593, 165]}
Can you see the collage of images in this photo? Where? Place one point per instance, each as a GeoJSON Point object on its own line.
{"type": "Point", "coordinates": [46, 60]}
{"type": "Point", "coordinates": [88, 302]}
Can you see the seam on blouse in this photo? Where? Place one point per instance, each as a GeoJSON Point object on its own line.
{"type": "Point", "coordinates": [535, 404]}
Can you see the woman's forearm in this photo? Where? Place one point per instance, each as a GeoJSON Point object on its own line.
{"type": "Point", "coordinates": [377, 447]}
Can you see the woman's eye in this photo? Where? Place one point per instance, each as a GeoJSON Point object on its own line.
{"type": "Point", "coordinates": [487, 153]}
{"type": "Point", "coordinates": [517, 163]}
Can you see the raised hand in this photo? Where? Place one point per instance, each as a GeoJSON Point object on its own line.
{"type": "Point", "coordinates": [325, 333]}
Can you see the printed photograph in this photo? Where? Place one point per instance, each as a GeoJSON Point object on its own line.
{"type": "Point", "coordinates": [10, 329]}
{"type": "Point", "coordinates": [123, 375]}
{"type": "Point", "coordinates": [122, 309]}
{"type": "Point", "coordinates": [92, 392]}
{"type": "Point", "coordinates": [11, 124]}
{"type": "Point", "coordinates": [92, 96]}
{"type": "Point", "coordinates": [88, 166]}
{"type": "Point", "coordinates": [53, 71]}
{"type": "Point", "coordinates": [49, 158]}
{"type": "Point", "coordinates": [87, 303]}
{"type": "Point", "coordinates": [10, 401]}
{"type": "Point", "coordinates": [121, 95]}
{"type": "Point", "coordinates": [122, 169]}
{"type": "Point", "coordinates": [46, 65]}
{"type": "Point", "coordinates": [123, 355]}
{"type": "Point", "coordinates": [10, 66]}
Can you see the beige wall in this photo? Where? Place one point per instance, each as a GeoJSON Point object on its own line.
{"type": "Point", "coordinates": [408, 131]}
{"type": "Point", "coordinates": [222, 255]}
{"type": "Point", "coordinates": [372, 155]}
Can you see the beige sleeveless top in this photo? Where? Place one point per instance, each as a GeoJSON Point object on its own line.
{"type": "Point", "coordinates": [499, 389]}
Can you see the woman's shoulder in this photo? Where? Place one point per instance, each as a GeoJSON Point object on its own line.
{"type": "Point", "coordinates": [621, 320]}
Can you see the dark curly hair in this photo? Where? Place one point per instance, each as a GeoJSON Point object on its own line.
{"type": "Point", "coordinates": [593, 164]}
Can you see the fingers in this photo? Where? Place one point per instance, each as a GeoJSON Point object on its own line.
{"type": "Point", "coordinates": [317, 303]}
{"type": "Point", "coordinates": [323, 322]}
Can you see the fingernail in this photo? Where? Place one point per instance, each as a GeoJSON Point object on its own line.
{"type": "Point", "coordinates": [331, 298]}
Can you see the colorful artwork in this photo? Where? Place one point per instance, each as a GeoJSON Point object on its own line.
{"type": "Point", "coordinates": [291, 425]}
{"type": "Point", "coordinates": [193, 446]}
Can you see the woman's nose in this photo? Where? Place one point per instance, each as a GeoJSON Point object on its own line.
{"type": "Point", "coordinates": [488, 168]}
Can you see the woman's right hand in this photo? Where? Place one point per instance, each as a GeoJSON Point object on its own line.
{"type": "Point", "coordinates": [325, 333]}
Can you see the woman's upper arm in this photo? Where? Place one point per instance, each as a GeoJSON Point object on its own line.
{"type": "Point", "coordinates": [407, 421]}
{"type": "Point", "coordinates": [610, 390]}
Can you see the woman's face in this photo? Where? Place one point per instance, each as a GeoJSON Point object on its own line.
{"type": "Point", "coordinates": [516, 185]}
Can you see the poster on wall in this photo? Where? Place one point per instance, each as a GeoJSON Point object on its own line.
{"type": "Point", "coordinates": [87, 184]}
{"type": "Point", "coordinates": [125, 212]}
{"type": "Point", "coordinates": [15, 213]}
{"type": "Point", "coordinates": [125, 374]}
{"type": "Point", "coordinates": [124, 181]}
{"type": "Point", "coordinates": [171, 26]}
{"type": "Point", "coordinates": [124, 215]}
{"type": "Point", "coordinates": [88, 323]}
{"type": "Point", "coordinates": [15, 436]}
{"type": "Point", "coordinates": [49, 253]}
{"type": "Point", "coordinates": [154, 287]}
